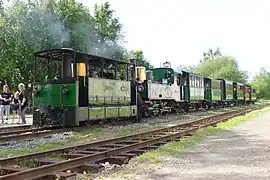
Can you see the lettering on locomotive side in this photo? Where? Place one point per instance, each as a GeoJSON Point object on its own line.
{"type": "Point", "coordinates": [157, 90]}
{"type": "Point", "coordinates": [109, 89]}
{"type": "Point", "coordinates": [124, 88]}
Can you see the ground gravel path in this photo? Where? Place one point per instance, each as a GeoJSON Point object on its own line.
{"type": "Point", "coordinates": [240, 153]}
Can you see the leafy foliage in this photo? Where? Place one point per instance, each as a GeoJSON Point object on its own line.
{"type": "Point", "coordinates": [187, 68]}
{"type": "Point", "coordinates": [210, 54]}
{"type": "Point", "coordinates": [140, 60]}
{"type": "Point", "coordinates": [261, 82]}
{"type": "Point", "coordinates": [225, 67]}
{"type": "Point", "coordinates": [33, 25]}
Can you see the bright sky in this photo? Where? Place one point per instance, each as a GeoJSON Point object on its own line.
{"type": "Point", "coordinates": [180, 31]}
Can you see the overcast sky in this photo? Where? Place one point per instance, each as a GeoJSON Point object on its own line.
{"type": "Point", "coordinates": [180, 31]}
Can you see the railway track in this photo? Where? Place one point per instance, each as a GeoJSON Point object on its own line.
{"type": "Point", "coordinates": [28, 132]}
{"type": "Point", "coordinates": [86, 157]}
{"type": "Point", "coordinates": [23, 132]}
{"type": "Point", "coordinates": [15, 128]}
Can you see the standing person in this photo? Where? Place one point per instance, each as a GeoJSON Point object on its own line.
{"type": "Point", "coordinates": [15, 106]}
{"type": "Point", "coordinates": [23, 100]}
{"type": "Point", "coordinates": [6, 98]}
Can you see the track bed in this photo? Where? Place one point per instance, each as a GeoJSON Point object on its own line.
{"type": "Point", "coordinates": [86, 157]}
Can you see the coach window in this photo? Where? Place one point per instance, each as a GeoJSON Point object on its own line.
{"type": "Point", "coordinates": [202, 85]}
{"type": "Point", "coordinates": [198, 82]}
{"type": "Point", "coordinates": [178, 80]}
{"type": "Point", "coordinates": [122, 72]}
{"type": "Point", "coordinates": [95, 68]}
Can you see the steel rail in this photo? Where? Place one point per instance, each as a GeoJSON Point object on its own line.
{"type": "Point", "coordinates": [18, 159]}
{"type": "Point", "coordinates": [28, 132]}
{"type": "Point", "coordinates": [75, 162]}
{"type": "Point", "coordinates": [17, 127]}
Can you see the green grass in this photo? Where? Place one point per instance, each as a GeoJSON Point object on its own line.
{"type": "Point", "coordinates": [45, 147]}
{"type": "Point", "coordinates": [175, 147]}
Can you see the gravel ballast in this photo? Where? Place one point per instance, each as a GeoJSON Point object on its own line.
{"type": "Point", "coordinates": [33, 143]}
{"type": "Point", "coordinates": [243, 152]}
{"type": "Point", "coordinates": [106, 133]}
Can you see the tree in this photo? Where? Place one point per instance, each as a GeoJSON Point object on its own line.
{"type": "Point", "coordinates": [187, 68]}
{"type": "Point", "coordinates": [33, 25]}
{"type": "Point", "coordinates": [140, 60]}
{"type": "Point", "coordinates": [109, 28]}
{"type": "Point", "coordinates": [261, 83]}
{"type": "Point", "coordinates": [210, 54]}
{"type": "Point", "coordinates": [225, 67]}
{"type": "Point", "coordinates": [107, 25]}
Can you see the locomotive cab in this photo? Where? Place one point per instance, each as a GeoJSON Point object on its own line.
{"type": "Point", "coordinates": [54, 100]}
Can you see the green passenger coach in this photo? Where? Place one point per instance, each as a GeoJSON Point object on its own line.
{"type": "Point", "coordinates": [80, 88]}
{"type": "Point", "coordinates": [217, 98]}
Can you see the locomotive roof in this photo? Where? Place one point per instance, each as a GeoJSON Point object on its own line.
{"type": "Point", "coordinates": [56, 54]}
{"type": "Point", "coordinates": [193, 74]}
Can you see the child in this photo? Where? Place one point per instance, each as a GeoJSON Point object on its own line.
{"type": "Point", "coordinates": [16, 106]}
{"type": "Point", "coordinates": [5, 98]}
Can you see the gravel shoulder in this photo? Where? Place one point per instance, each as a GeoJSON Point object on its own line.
{"type": "Point", "coordinates": [241, 152]}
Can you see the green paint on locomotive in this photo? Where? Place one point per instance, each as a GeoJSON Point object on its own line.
{"type": "Point", "coordinates": [50, 94]}
{"type": "Point", "coordinates": [163, 73]}
{"type": "Point", "coordinates": [109, 92]}
{"type": "Point", "coordinates": [109, 99]}
{"type": "Point", "coordinates": [111, 112]}
{"type": "Point", "coordinates": [62, 100]}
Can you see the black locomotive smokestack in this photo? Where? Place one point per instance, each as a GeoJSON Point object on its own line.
{"type": "Point", "coordinates": [67, 60]}
{"type": "Point", "coordinates": [132, 60]}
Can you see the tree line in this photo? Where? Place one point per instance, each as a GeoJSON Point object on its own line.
{"type": "Point", "coordinates": [28, 26]}
{"type": "Point", "coordinates": [215, 65]}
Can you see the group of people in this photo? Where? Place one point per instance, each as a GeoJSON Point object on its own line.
{"type": "Point", "coordinates": [15, 103]}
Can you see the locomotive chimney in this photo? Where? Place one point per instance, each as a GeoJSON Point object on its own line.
{"type": "Point", "coordinates": [132, 60]}
{"type": "Point", "coordinates": [66, 60]}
